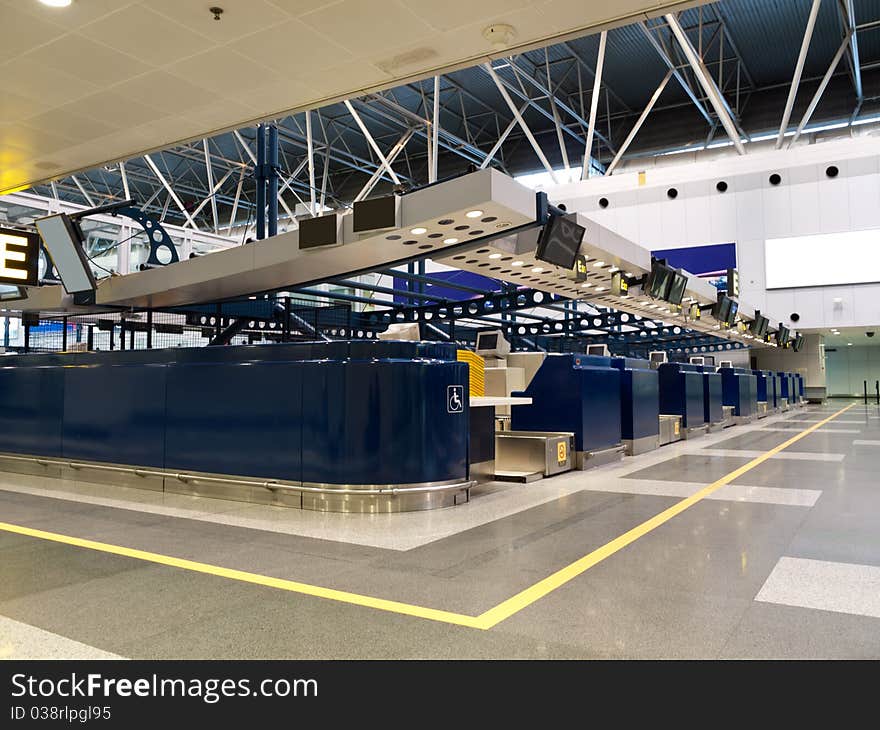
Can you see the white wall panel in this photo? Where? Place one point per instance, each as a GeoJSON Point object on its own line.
{"type": "Point", "coordinates": [864, 197]}
{"type": "Point", "coordinates": [834, 206]}
{"type": "Point", "coordinates": [777, 211]}
{"type": "Point", "coordinates": [804, 209]}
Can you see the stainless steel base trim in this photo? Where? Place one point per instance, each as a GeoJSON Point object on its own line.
{"type": "Point", "coordinates": [271, 486]}
{"type": "Point", "coordinates": [634, 447]}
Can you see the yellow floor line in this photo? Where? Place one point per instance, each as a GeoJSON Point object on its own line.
{"type": "Point", "coordinates": [533, 593]}
{"type": "Point", "coordinates": [485, 620]}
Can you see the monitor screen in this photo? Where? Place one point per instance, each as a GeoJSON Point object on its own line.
{"type": "Point", "coordinates": [798, 343]}
{"type": "Point", "coordinates": [659, 280]}
{"type": "Point", "coordinates": [731, 312]}
{"type": "Point", "coordinates": [601, 350]}
{"type": "Point", "coordinates": [782, 335]}
{"type": "Point", "coordinates": [487, 341]}
{"type": "Point", "coordinates": [721, 310]}
{"type": "Point", "coordinates": [320, 231]}
{"type": "Point", "coordinates": [61, 238]}
{"type": "Point", "coordinates": [677, 288]}
{"type": "Point", "coordinates": [560, 241]}
{"type": "Point", "coordinates": [377, 213]}
{"type": "Point", "coordinates": [658, 357]}
{"type": "Point", "coordinates": [756, 325]}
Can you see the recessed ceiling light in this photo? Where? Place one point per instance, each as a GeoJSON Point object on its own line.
{"type": "Point", "coordinates": [56, 3]}
{"type": "Point", "coordinates": [455, 240]}
{"type": "Point", "coordinates": [517, 263]}
{"type": "Point", "coordinates": [599, 264]}
{"type": "Point", "coordinates": [418, 231]}
{"type": "Point", "coordinates": [849, 344]}
{"type": "Point", "coordinates": [600, 288]}
{"type": "Point", "coordinates": [494, 255]}
{"type": "Point", "coordinates": [473, 214]}
{"type": "Point", "coordinates": [613, 270]}
{"type": "Point", "coordinates": [537, 270]}
{"type": "Point", "coordinates": [586, 285]}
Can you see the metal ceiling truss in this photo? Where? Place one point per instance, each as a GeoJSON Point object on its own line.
{"type": "Point", "coordinates": [552, 105]}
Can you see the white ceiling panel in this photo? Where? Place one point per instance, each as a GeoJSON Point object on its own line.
{"type": "Point", "coordinates": [104, 80]}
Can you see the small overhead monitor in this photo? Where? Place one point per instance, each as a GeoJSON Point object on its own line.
{"type": "Point", "coordinates": [619, 285]}
{"type": "Point", "coordinates": [375, 214]}
{"type": "Point", "coordinates": [798, 342]}
{"type": "Point", "coordinates": [560, 240]}
{"type": "Point", "coordinates": [600, 350]}
{"type": "Point", "coordinates": [63, 240]}
{"type": "Point", "coordinates": [492, 344]}
{"type": "Point", "coordinates": [697, 360]}
{"type": "Point", "coordinates": [318, 231]}
{"type": "Point", "coordinates": [721, 310]}
{"type": "Point", "coordinates": [731, 313]}
{"type": "Point", "coordinates": [677, 288]}
{"type": "Point", "coordinates": [726, 364]}
{"type": "Point", "coordinates": [657, 357]}
{"type": "Point", "coordinates": [782, 335]}
{"type": "Point", "coordinates": [659, 280]}
{"type": "Point", "coordinates": [756, 324]}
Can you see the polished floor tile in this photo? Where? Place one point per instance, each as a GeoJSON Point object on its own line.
{"type": "Point", "coordinates": [824, 585]}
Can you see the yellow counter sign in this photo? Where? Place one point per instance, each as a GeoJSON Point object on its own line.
{"type": "Point", "coordinates": [561, 452]}
{"type": "Point", "coordinates": [19, 257]}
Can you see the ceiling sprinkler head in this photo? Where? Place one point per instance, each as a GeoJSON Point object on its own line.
{"type": "Point", "coordinates": [216, 11]}
{"type": "Point", "coordinates": [500, 35]}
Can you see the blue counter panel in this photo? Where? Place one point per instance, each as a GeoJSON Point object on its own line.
{"type": "Point", "coordinates": [572, 396]}
{"type": "Point", "coordinates": [681, 393]}
{"type": "Point", "coordinates": [640, 404]}
{"type": "Point", "coordinates": [712, 398]}
{"type": "Point", "coordinates": [387, 419]}
{"type": "Point", "coordinates": [240, 410]}
{"type": "Point", "coordinates": [30, 418]}
{"type": "Point", "coordinates": [114, 413]}
{"type": "Point", "coordinates": [235, 418]}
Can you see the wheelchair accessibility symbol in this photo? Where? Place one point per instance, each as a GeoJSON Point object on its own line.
{"type": "Point", "coordinates": [455, 398]}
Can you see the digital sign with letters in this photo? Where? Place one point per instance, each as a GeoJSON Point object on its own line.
{"type": "Point", "coordinates": [19, 257]}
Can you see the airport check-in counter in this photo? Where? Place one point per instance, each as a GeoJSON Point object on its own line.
{"type": "Point", "coordinates": [579, 394]}
{"type": "Point", "coordinates": [681, 394]}
{"type": "Point", "coordinates": [764, 383]}
{"type": "Point", "coordinates": [343, 426]}
{"type": "Point", "coordinates": [715, 413]}
{"type": "Point", "coordinates": [801, 387]}
{"type": "Point", "coordinates": [740, 390]}
{"type": "Point", "coordinates": [639, 405]}
{"type": "Point", "coordinates": [786, 391]}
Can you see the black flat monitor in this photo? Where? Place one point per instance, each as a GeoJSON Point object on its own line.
{"type": "Point", "coordinates": [798, 342]}
{"type": "Point", "coordinates": [731, 313]}
{"type": "Point", "coordinates": [758, 325]}
{"type": "Point", "coordinates": [560, 241]}
{"type": "Point", "coordinates": [721, 310]}
{"type": "Point", "coordinates": [659, 280]}
{"type": "Point", "coordinates": [63, 241]}
{"type": "Point", "coordinates": [782, 335]}
{"type": "Point", "coordinates": [677, 288]}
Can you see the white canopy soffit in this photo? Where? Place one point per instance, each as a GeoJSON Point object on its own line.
{"type": "Point", "coordinates": [104, 80]}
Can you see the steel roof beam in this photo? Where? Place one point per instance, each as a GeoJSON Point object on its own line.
{"type": "Point", "coordinates": [716, 98]}
{"type": "Point", "coordinates": [798, 71]}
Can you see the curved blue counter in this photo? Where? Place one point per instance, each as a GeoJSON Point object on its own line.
{"type": "Point", "coordinates": [338, 413]}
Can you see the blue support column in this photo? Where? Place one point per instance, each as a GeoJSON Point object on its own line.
{"type": "Point", "coordinates": [272, 180]}
{"type": "Point", "coordinates": [260, 175]}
